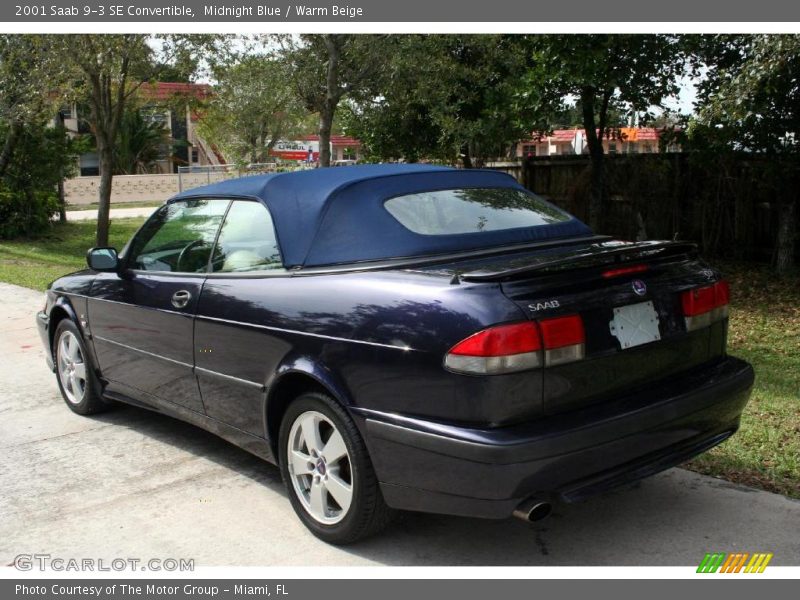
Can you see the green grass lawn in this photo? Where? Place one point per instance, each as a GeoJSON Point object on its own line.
{"type": "Point", "coordinates": [135, 204]}
{"type": "Point", "coordinates": [764, 329]}
{"type": "Point", "coordinates": [37, 261]}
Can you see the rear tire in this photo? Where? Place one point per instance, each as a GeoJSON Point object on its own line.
{"type": "Point", "coordinates": [327, 471]}
{"type": "Point", "coordinates": [75, 371]}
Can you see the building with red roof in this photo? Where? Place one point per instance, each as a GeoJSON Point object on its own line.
{"type": "Point", "coordinates": [175, 106]}
{"type": "Point", "coordinates": [618, 140]}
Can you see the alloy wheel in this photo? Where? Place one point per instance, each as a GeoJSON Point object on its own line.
{"type": "Point", "coordinates": [71, 367]}
{"type": "Point", "coordinates": [320, 468]}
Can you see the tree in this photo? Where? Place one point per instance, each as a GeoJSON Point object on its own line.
{"type": "Point", "coordinates": [448, 97]}
{"type": "Point", "coordinates": [140, 143]}
{"type": "Point", "coordinates": [24, 65]}
{"type": "Point", "coordinates": [253, 107]}
{"type": "Point", "coordinates": [600, 71]}
{"type": "Point", "coordinates": [749, 102]}
{"type": "Point", "coordinates": [41, 157]}
{"type": "Point", "coordinates": [327, 68]}
{"type": "Point", "coordinates": [104, 64]}
{"type": "Point", "coordinates": [108, 71]}
{"type": "Point", "coordinates": [28, 146]}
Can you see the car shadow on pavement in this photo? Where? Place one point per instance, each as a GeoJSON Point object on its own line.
{"type": "Point", "coordinates": [672, 518]}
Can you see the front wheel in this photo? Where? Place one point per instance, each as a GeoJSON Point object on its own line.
{"type": "Point", "coordinates": [74, 371]}
{"type": "Point", "coordinates": [328, 473]}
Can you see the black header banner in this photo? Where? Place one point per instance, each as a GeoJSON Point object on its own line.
{"type": "Point", "coordinates": [370, 11]}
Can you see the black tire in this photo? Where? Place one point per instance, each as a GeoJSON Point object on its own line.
{"type": "Point", "coordinates": [90, 402]}
{"type": "Point", "coordinates": [367, 513]}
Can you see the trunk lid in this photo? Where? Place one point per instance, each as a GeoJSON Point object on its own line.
{"type": "Point", "coordinates": [611, 285]}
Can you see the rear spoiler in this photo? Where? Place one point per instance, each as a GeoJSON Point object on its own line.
{"type": "Point", "coordinates": [598, 254]}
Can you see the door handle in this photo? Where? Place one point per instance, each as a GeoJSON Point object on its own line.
{"type": "Point", "coordinates": [181, 298]}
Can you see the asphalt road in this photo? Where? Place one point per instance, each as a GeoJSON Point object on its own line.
{"type": "Point", "coordinates": [131, 483]}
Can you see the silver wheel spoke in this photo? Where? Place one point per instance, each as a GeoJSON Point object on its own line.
{"type": "Point", "coordinates": [342, 492]}
{"type": "Point", "coordinates": [300, 463]}
{"type": "Point", "coordinates": [73, 383]}
{"type": "Point", "coordinates": [72, 349]}
{"type": "Point", "coordinates": [317, 500]}
{"type": "Point", "coordinates": [310, 426]}
{"type": "Point", "coordinates": [66, 380]}
{"type": "Point", "coordinates": [80, 371]}
{"type": "Point", "coordinates": [335, 449]}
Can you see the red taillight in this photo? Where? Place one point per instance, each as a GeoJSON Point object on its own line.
{"type": "Point", "coordinates": [563, 339]}
{"type": "Point", "coordinates": [501, 341]}
{"type": "Point", "coordinates": [624, 271]}
{"type": "Point", "coordinates": [698, 301]}
{"type": "Point", "coordinates": [562, 331]}
{"type": "Point", "coordinates": [500, 349]}
{"type": "Point", "coordinates": [519, 346]}
{"type": "Point", "coordinates": [705, 305]}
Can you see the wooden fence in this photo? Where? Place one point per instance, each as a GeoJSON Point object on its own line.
{"type": "Point", "coordinates": [728, 205]}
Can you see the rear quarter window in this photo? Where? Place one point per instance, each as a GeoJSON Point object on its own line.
{"type": "Point", "coordinates": [472, 210]}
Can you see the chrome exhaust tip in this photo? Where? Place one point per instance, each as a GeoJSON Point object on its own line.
{"type": "Point", "coordinates": [532, 509]}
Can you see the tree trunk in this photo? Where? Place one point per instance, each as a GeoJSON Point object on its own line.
{"type": "Point", "coordinates": [332, 96]}
{"type": "Point", "coordinates": [325, 126]}
{"type": "Point", "coordinates": [62, 202]}
{"type": "Point", "coordinates": [594, 139]}
{"type": "Point", "coordinates": [785, 241]}
{"type": "Point", "coordinates": [466, 159]}
{"type": "Point", "coordinates": [106, 154]}
{"type": "Point", "coordinates": [15, 128]}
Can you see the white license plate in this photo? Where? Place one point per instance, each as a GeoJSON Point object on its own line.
{"type": "Point", "coordinates": [635, 324]}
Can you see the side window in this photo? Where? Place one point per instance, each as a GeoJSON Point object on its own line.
{"type": "Point", "coordinates": [179, 237]}
{"type": "Point", "coordinates": [247, 240]}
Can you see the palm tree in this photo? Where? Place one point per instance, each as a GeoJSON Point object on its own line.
{"type": "Point", "coordinates": [140, 144]}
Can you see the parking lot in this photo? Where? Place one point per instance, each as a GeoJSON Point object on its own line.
{"type": "Point", "coordinates": [130, 483]}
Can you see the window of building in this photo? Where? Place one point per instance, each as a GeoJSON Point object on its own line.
{"type": "Point", "coordinates": [348, 153]}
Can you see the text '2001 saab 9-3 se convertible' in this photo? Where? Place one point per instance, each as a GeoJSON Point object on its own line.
{"type": "Point", "coordinates": [405, 337]}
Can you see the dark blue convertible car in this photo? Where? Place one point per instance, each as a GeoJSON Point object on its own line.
{"type": "Point", "coordinates": [405, 337]}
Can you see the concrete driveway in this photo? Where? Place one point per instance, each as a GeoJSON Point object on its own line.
{"type": "Point", "coordinates": [131, 483]}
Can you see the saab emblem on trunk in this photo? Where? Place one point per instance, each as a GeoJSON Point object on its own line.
{"type": "Point", "coordinates": [639, 287]}
{"type": "Point", "coordinates": [535, 306]}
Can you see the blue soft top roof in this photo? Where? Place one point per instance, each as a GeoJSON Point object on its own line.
{"type": "Point", "coordinates": [333, 216]}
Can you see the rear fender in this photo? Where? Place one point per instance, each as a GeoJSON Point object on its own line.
{"type": "Point", "coordinates": [298, 367]}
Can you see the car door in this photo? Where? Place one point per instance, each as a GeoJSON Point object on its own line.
{"type": "Point", "coordinates": [142, 318]}
{"type": "Point", "coordinates": [237, 343]}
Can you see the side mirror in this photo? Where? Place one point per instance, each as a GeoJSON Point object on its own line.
{"type": "Point", "coordinates": [102, 259]}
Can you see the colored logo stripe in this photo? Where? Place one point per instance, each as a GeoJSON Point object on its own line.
{"type": "Point", "coordinates": [758, 563]}
{"type": "Point", "coordinates": [734, 562]}
{"type": "Point", "coordinates": [711, 562]}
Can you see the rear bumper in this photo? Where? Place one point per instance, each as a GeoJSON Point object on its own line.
{"type": "Point", "coordinates": [432, 467]}
{"type": "Point", "coordinates": [42, 323]}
